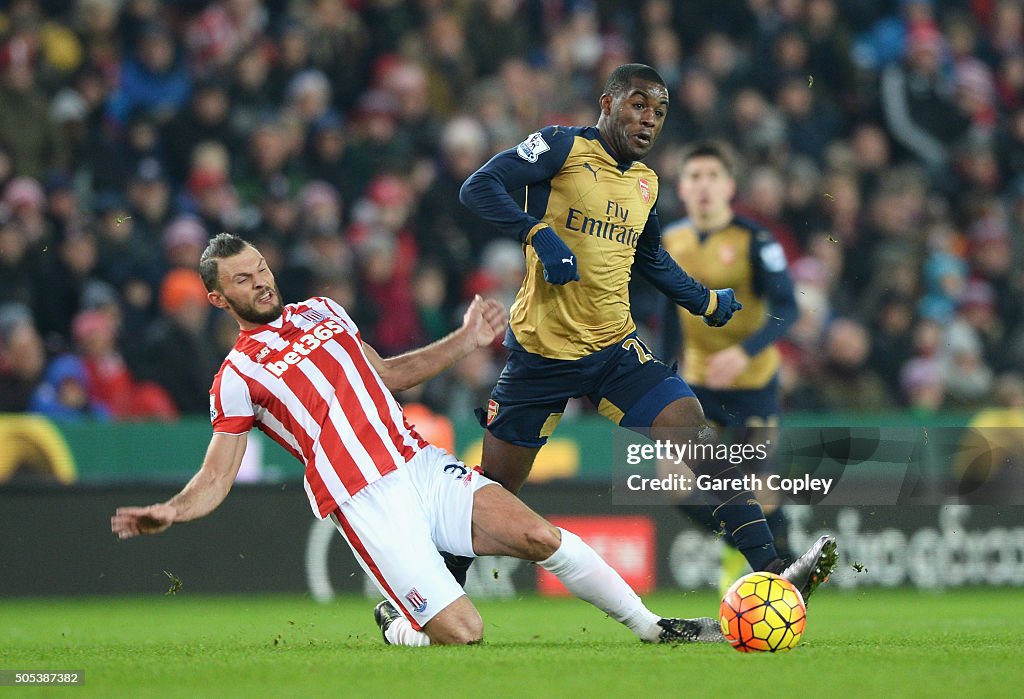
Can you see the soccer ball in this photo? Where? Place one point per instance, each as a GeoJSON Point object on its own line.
{"type": "Point", "coordinates": [762, 612]}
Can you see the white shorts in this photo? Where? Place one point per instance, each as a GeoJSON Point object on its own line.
{"type": "Point", "coordinates": [396, 526]}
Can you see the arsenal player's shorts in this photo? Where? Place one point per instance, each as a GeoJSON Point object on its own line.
{"type": "Point", "coordinates": [624, 381]}
{"type": "Point", "coordinates": [396, 525]}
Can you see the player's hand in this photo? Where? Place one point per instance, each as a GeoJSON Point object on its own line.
{"type": "Point", "coordinates": [727, 305]}
{"type": "Point", "coordinates": [484, 321]}
{"type": "Point", "coordinates": [560, 264]}
{"type": "Point", "coordinates": [725, 366]}
{"type": "Point", "coordinates": [132, 521]}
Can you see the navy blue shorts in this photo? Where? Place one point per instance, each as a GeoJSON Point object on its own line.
{"type": "Point", "coordinates": [741, 408]}
{"type": "Point", "coordinates": [626, 382]}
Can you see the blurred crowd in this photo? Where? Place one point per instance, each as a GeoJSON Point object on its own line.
{"type": "Point", "coordinates": [882, 142]}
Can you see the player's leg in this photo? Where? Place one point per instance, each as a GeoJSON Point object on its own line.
{"type": "Point", "coordinates": [525, 406]}
{"type": "Point", "coordinates": [650, 398]}
{"type": "Point", "coordinates": [736, 508]}
{"type": "Point", "coordinates": [389, 534]}
{"type": "Point", "coordinates": [470, 515]}
{"type": "Point", "coordinates": [740, 512]}
{"type": "Point", "coordinates": [504, 525]}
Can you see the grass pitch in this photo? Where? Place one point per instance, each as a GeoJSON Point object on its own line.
{"type": "Point", "coordinates": [873, 643]}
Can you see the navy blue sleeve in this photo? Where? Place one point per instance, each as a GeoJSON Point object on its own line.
{"type": "Point", "coordinates": [771, 281]}
{"type": "Point", "coordinates": [671, 332]}
{"type": "Point", "coordinates": [656, 266]}
{"type": "Point", "coordinates": [536, 159]}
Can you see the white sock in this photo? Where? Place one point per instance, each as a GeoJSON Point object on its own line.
{"type": "Point", "coordinates": [401, 633]}
{"type": "Point", "coordinates": [587, 576]}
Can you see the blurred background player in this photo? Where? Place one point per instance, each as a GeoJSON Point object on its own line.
{"type": "Point", "coordinates": [589, 222]}
{"type": "Point", "coordinates": [733, 371]}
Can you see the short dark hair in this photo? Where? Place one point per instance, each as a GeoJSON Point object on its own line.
{"type": "Point", "coordinates": [220, 246]}
{"type": "Point", "coordinates": [718, 150]}
{"type": "Point", "coordinates": [622, 76]}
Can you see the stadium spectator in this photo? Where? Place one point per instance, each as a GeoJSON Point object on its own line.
{"type": "Point", "coordinates": [34, 141]}
{"type": "Point", "coordinates": [111, 383]}
{"type": "Point", "coordinates": [85, 92]}
{"type": "Point", "coordinates": [154, 80]}
{"type": "Point", "coordinates": [182, 330]}
{"type": "Point", "coordinates": [918, 102]}
{"type": "Point", "coordinates": [64, 394]}
{"type": "Point", "coordinates": [846, 382]}
{"type": "Point", "coordinates": [22, 359]}
{"type": "Point", "coordinates": [206, 119]}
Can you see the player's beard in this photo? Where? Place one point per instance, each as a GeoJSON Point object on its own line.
{"type": "Point", "coordinates": [249, 313]}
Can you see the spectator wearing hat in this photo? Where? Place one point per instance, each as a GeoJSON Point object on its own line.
{"type": "Point", "coordinates": [249, 90]}
{"type": "Point", "coordinates": [35, 143]}
{"type": "Point", "coordinates": [919, 103]}
{"type": "Point", "coordinates": [215, 36]}
{"type": "Point", "coordinates": [994, 260]}
{"type": "Point", "coordinates": [968, 377]}
{"type": "Point", "coordinates": [64, 394]}
{"type": "Point", "coordinates": [329, 158]}
{"type": "Point", "coordinates": [206, 119]}
{"type": "Point", "coordinates": [377, 143]}
{"type": "Point", "coordinates": [22, 359]}
{"type": "Point", "coordinates": [923, 385]}
{"type": "Point", "coordinates": [153, 79]}
{"type": "Point", "coordinates": [63, 209]}
{"type": "Point", "coordinates": [268, 158]}
{"type": "Point", "coordinates": [18, 266]}
{"type": "Point", "coordinates": [24, 201]}
{"type": "Point", "coordinates": [149, 201]}
{"type": "Point", "coordinates": [846, 381]}
{"type": "Point", "coordinates": [126, 259]}
{"type": "Point", "coordinates": [208, 194]}
{"type": "Point", "coordinates": [62, 281]}
{"type": "Point", "coordinates": [338, 45]}
{"type": "Point", "coordinates": [449, 233]}
{"type": "Point", "coordinates": [111, 383]}
{"type": "Point", "coordinates": [182, 331]}
{"type": "Point", "coordinates": [890, 331]}
{"type": "Point", "coordinates": [183, 241]}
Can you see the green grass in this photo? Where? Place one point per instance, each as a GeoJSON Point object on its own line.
{"type": "Point", "coordinates": [874, 643]}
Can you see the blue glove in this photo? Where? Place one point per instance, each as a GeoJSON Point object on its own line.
{"type": "Point", "coordinates": [727, 305]}
{"type": "Point", "coordinates": [560, 265]}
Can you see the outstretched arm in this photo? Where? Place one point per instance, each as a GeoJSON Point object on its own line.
{"type": "Point", "coordinates": [483, 322]}
{"type": "Point", "coordinates": [198, 498]}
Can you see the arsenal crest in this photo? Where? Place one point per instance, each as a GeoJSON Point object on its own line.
{"type": "Point", "coordinates": [645, 190]}
{"type": "Point", "coordinates": [492, 411]}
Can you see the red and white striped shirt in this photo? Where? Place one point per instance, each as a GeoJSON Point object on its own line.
{"type": "Point", "coordinates": [304, 380]}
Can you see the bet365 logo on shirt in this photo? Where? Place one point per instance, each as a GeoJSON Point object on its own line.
{"type": "Point", "coordinates": [303, 346]}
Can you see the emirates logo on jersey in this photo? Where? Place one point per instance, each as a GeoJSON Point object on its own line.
{"type": "Point", "coordinates": [645, 190]}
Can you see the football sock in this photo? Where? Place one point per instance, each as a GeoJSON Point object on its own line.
{"type": "Point", "coordinates": [587, 576]}
{"type": "Point", "coordinates": [700, 514]}
{"type": "Point", "coordinates": [739, 514]}
{"type": "Point", "coordinates": [401, 633]}
{"type": "Point", "coordinates": [778, 523]}
{"type": "Point", "coordinates": [745, 524]}
{"type": "Point", "coordinates": [458, 566]}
